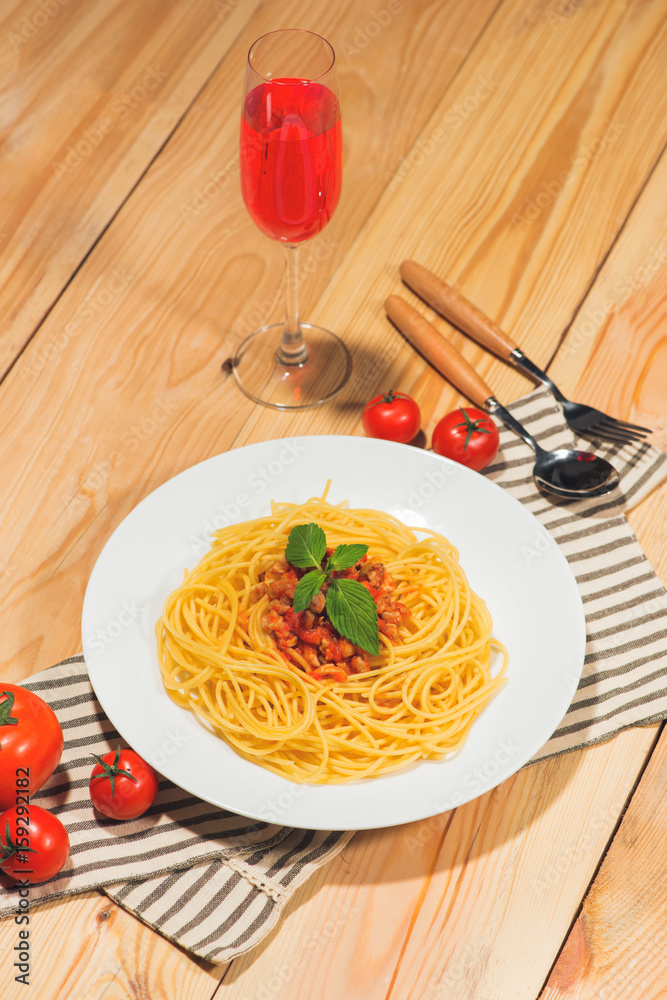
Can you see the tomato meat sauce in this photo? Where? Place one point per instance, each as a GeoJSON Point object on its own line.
{"type": "Point", "coordinates": [307, 638]}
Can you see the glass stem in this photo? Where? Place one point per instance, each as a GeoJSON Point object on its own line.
{"type": "Point", "coordinates": [292, 350]}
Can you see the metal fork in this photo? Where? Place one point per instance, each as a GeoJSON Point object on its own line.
{"type": "Point", "coordinates": [467, 317]}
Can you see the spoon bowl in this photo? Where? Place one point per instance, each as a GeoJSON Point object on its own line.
{"type": "Point", "coordinates": [562, 473]}
{"type": "Point", "coordinates": [566, 473]}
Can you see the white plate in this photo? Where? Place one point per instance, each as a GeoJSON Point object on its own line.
{"type": "Point", "coordinates": [509, 558]}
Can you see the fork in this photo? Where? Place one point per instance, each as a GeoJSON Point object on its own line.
{"type": "Point", "coordinates": [467, 317]}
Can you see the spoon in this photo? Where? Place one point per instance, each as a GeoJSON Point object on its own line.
{"type": "Point", "coordinates": [565, 473]}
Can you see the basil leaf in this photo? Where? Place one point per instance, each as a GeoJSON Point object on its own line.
{"type": "Point", "coordinates": [307, 587]}
{"type": "Point", "coordinates": [352, 611]}
{"type": "Point", "coordinates": [306, 545]}
{"type": "Point", "coordinates": [344, 556]}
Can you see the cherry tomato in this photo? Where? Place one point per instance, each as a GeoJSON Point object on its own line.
{"type": "Point", "coordinates": [122, 784]}
{"type": "Point", "coordinates": [31, 743]}
{"type": "Point", "coordinates": [468, 436]}
{"type": "Point", "coordinates": [392, 416]}
{"type": "Point", "coordinates": [33, 843]}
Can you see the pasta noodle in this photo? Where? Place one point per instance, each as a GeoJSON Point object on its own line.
{"type": "Point", "coordinates": [420, 697]}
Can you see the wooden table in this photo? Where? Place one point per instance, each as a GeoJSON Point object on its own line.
{"type": "Point", "coordinates": [515, 148]}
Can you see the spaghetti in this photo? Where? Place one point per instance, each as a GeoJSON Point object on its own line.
{"type": "Point", "coordinates": [416, 700]}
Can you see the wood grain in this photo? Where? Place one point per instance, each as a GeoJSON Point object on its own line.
{"type": "Point", "coordinates": [93, 92]}
{"type": "Point", "coordinates": [471, 903]}
{"type": "Point", "coordinates": [529, 273]}
{"type": "Point", "coordinates": [87, 947]}
{"type": "Point", "coordinates": [495, 967]}
{"type": "Point", "coordinates": [618, 945]}
{"type": "Point", "coordinates": [615, 345]}
{"type": "Point", "coordinates": [549, 130]}
{"type": "Point", "coordinates": [146, 415]}
{"type": "Point", "coordinates": [121, 387]}
{"type": "Point", "coordinates": [614, 351]}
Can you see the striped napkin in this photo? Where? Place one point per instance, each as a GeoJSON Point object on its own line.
{"type": "Point", "coordinates": [216, 883]}
{"type": "Point", "coordinates": [624, 680]}
{"type": "Point", "coordinates": [212, 881]}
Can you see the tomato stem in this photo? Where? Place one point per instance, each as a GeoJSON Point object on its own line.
{"type": "Point", "coordinates": [9, 848]}
{"type": "Point", "coordinates": [6, 717]}
{"type": "Point", "coordinates": [111, 771]}
{"type": "Point", "coordinates": [473, 426]}
{"type": "Point", "coordinates": [389, 397]}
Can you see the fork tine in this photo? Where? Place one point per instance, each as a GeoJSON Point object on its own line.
{"type": "Point", "coordinates": [612, 421]}
{"type": "Point", "coordinates": [612, 427]}
{"type": "Point", "coordinates": [623, 437]}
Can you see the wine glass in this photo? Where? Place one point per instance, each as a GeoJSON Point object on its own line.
{"type": "Point", "coordinates": [291, 167]}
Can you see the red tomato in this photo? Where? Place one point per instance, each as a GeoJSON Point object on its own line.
{"type": "Point", "coordinates": [392, 416]}
{"type": "Point", "coordinates": [122, 784]}
{"type": "Point", "coordinates": [33, 843]}
{"type": "Point", "coordinates": [31, 743]}
{"type": "Point", "coordinates": [467, 436]}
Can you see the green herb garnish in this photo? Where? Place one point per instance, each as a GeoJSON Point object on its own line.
{"type": "Point", "coordinates": [306, 546]}
{"type": "Point", "coordinates": [352, 611]}
{"type": "Point", "coordinates": [350, 606]}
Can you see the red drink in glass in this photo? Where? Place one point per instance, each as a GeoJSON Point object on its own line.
{"type": "Point", "coordinates": [290, 160]}
{"type": "Point", "coordinates": [290, 157]}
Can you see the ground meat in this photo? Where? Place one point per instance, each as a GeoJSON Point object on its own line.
{"type": "Point", "coordinates": [317, 603]}
{"type": "Point", "coordinates": [308, 637]}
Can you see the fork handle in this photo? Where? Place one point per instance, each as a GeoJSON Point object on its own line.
{"type": "Point", "coordinates": [437, 349]}
{"type": "Point", "coordinates": [457, 309]}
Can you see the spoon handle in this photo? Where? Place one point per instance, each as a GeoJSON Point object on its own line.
{"type": "Point", "coordinates": [437, 350]}
{"type": "Point", "coordinates": [457, 309]}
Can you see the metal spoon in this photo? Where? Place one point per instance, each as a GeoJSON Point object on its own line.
{"type": "Point", "coordinates": [566, 473]}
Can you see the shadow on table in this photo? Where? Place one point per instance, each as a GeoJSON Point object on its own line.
{"type": "Point", "coordinates": [488, 832]}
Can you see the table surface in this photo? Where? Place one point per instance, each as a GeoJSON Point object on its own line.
{"type": "Point", "coordinates": [514, 148]}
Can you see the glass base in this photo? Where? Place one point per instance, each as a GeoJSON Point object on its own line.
{"type": "Point", "coordinates": [262, 377]}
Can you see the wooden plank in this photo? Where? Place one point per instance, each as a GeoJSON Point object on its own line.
{"type": "Point", "coordinates": [94, 90]}
{"type": "Point", "coordinates": [618, 945]}
{"type": "Point", "coordinates": [544, 904]}
{"type": "Point", "coordinates": [615, 347]}
{"type": "Point", "coordinates": [178, 441]}
{"type": "Point", "coordinates": [467, 904]}
{"type": "Point", "coordinates": [462, 931]}
{"type": "Point", "coordinates": [88, 947]}
{"type": "Point", "coordinates": [614, 351]}
{"type": "Point", "coordinates": [80, 405]}
{"type": "Point", "coordinates": [125, 373]}
{"type": "Point", "coordinates": [586, 145]}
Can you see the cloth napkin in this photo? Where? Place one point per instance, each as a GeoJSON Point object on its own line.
{"type": "Point", "coordinates": [216, 883]}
